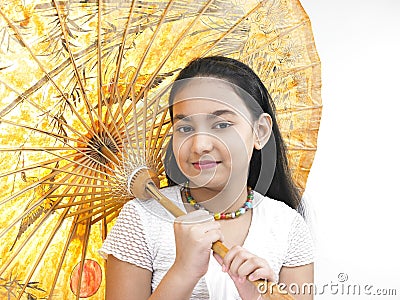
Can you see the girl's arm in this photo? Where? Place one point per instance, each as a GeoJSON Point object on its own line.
{"type": "Point", "coordinates": [299, 281]}
{"type": "Point", "coordinates": [125, 281]}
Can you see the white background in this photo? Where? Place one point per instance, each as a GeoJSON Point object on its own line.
{"type": "Point", "coordinates": [354, 183]}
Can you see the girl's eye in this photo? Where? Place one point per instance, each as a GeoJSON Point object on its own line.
{"type": "Point", "coordinates": [223, 125]}
{"type": "Point", "coordinates": [184, 129]}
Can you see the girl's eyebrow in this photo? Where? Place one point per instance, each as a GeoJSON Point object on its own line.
{"type": "Point", "coordinates": [211, 115]}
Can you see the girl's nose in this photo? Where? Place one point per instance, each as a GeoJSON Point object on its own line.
{"type": "Point", "coordinates": [202, 143]}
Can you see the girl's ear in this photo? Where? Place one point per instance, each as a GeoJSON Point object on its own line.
{"type": "Point", "coordinates": [262, 130]}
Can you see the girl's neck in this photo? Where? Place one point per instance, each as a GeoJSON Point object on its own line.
{"type": "Point", "coordinates": [221, 200]}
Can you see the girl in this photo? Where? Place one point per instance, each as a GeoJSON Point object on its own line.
{"type": "Point", "coordinates": [220, 163]}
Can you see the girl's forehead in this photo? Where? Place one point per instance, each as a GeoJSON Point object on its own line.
{"type": "Point", "coordinates": [208, 94]}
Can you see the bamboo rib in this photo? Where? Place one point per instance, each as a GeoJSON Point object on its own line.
{"type": "Point", "coordinates": [30, 235]}
{"type": "Point", "coordinates": [152, 137]}
{"type": "Point", "coordinates": [72, 59]}
{"type": "Point", "coordinates": [136, 135]}
{"type": "Point", "coordinates": [100, 95]}
{"type": "Point", "coordinates": [60, 121]}
{"type": "Point", "coordinates": [22, 41]}
{"type": "Point", "coordinates": [111, 201]}
{"type": "Point", "coordinates": [62, 258]}
{"type": "Point", "coordinates": [59, 137]}
{"type": "Point", "coordinates": [63, 254]}
{"type": "Point", "coordinates": [84, 248]}
{"type": "Point", "coordinates": [93, 213]}
{"type": "Point", "coordinates": [75, 194]}
{"type": "Point", "coordinates": [93, 199]}
{"type": "Point", "coordinates": [21, 192]}
{"type": "Point", "coordinates": [171, 50]}
{"type": "Point", "coordinates": [145, 53]}
{"type": "Point", "coordinates": [270, 41]}
{"type": "Point", "coordinates": [86, 157]}
{"type": "Point", "coordinates": [114, 210]}
{"type": "Point", "coordinates": [44, 249]}
{"type": "Point", "coordinates": [31, 167]}
{"type": "Point", "coordinates": [122, 47]}
{"type": "Point", "coordinates": [143, 150]}
{"type": "Point", "coordinates": [43, 148]}
{"type": "Point", "coordinates": [226, 33]}
{"type": "Point", "coordinates": [55, 135]}
{"type": "Point", "coordinates": [89, 108]}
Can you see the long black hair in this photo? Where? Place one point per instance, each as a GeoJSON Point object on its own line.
{"type": "Point", "coordinates": [280, 185]}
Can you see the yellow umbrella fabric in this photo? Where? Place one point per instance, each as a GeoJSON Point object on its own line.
{"type": "Point", "coordinates": [82, 102]}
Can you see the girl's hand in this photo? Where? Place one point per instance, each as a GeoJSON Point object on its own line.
{"type": "Point", "coordinates": [241, 265]}
{"type": "Point", "coordinates": [194, 235]}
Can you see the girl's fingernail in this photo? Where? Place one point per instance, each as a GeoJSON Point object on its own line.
{"type": "Point", "coordinates": [223, 268]}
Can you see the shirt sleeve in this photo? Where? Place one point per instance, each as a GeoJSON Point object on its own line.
{"type": "Point", "coordinates": [127, 239]}
{"type": "Point", "coordinates": [300, 244]}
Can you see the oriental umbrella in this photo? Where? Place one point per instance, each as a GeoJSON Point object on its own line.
{"type": "Point", "coordinates": [82, 105]}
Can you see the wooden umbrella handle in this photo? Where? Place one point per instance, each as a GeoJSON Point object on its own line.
{"type": "Point", "coordinates": [269, 290]}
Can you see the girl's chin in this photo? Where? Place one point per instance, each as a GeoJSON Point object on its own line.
{"type": "Point", "coordinates": [209, 183]}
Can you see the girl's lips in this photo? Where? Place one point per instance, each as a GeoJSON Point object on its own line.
{"type": "Point", "coordinates": [206, 164]}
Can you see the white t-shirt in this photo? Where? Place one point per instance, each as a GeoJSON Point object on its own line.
{"type": "Point", "coordinates": [143, 235]}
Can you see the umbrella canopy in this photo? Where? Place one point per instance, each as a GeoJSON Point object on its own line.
{"type": "Point", "coordinates": [82, 102]}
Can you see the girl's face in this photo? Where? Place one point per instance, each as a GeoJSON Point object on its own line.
{"type": "Point", "coordinates": [213, 136]}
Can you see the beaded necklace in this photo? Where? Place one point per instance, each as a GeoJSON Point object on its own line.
{"type": "Point", "coordinates": [220, 216]}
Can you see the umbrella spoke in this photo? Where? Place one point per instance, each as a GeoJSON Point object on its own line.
{"type": "Point", "coordinates": [57, 119]}
{"type": "Point", "coordinates": [90, 200]}
{"type": "Point", "coordinates": [100, 95]}
{"type": "Point", "coordinates": [145, 53]}
{"type": "Point", "coordinates": [230, 30]}
{"type": "Point", "coordinates": [88, 212]}
{"type": "Point", "coordinates": [31, 234]}
{"type": "Point", "coordinates": [56, 228]}
{"type": "Point", "coordinates": [56, 171]}
{"type": "Point", "coordinates": [171, 50]}
{"type": "Point", "coordinates": [64, 195]}
{"type": "Point", "coordinates": [114, 210]}
{"type": "Point", "coordinates": [121, 51]}
{"type": "Point", "coordinates": [31, 167]}
{"type": "Point", "coordinates": [67, 243]}
{"type": "Point", "coordinates": [102, 152]}
{"type": "Point", "coordinates": [29, 210]}
{"type": "Point", "coordinates": [153, 138]}
{"type": "Point", "coordinates": [59, 137]}
{"type": "Point", "coordinates": [89, 109]}
{"type": "Point", "coordinates": [22, 41]}
{"type": "Point", "coordinates": [84, 243]}
{"type": "Point", "coordinates": [34, 185]}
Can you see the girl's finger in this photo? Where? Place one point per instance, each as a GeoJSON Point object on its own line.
{"type": "Point", "coordinates": [255, 268]}
{"type": "Point", "coordinates": [241, 258]}
{"type": "Point", "coordinates": [218, 258]}
{"type": "Point", "coordinates": [213, 236]}
{"type": "Point", "coordinates": [229, 257]}
{"type": "Point", "coordinates": [262, 273]}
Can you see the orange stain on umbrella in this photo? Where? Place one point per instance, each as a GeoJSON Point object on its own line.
{"type": "Point", "coordinates": [91, 278]}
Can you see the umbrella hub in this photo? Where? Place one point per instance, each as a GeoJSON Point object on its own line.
{"type": "Point", "coordinates": [100, 147]}
{"type": "Point", "coordinates": [103, 149]}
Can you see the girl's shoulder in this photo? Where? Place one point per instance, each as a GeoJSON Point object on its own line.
{"type": "Point", "coordinates": [273, 208]}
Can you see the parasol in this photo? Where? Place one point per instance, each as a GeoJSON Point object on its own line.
{"type": "Point", "coordinates": [82, 104]}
